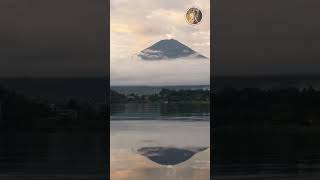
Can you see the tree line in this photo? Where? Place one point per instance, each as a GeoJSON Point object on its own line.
{"type": "Point", "coordinates": [164, 96]}
{"type": "Point", "coordinates": [252, 106]}
{"type": "Point", "coordinates": [21, 113]}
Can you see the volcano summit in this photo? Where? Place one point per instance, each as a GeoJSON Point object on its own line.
{"type": "Point", "coordinates": [169, 49]}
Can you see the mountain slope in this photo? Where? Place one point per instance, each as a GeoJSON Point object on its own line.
{"type": "Point", "coordinates": [168, 49]}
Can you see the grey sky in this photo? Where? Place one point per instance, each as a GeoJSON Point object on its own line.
{"type": "Point", "coordinates": [53, 38]}
{"type": "Point", "coordinates": [267, 37]}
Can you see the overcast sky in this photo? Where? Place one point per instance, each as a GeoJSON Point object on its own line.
{"type": "Point", "coordinates": [67, 37]}
{"type": "Point", "coordinates": [53, 38]}
{"type": "Point", "coordinates": [267, 37]}
{"type": "Point", "coordinates": [136, 25]}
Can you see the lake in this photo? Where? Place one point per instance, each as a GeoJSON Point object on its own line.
{"type": "Point", "coordinates": [150, 141]}
{"type": "Point", "coordinates": [266, 152]}
{"type": "Point", "coordinates": [53, 156]}
{"type": "Point", "coordinates": [160, 111]}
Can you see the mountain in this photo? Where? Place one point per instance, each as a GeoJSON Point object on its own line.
{"type": "Point", "coordinates": [169, 49]}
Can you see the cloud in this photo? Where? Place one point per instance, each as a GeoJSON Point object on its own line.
{"type": "Point", "coordinates": [162, 72]}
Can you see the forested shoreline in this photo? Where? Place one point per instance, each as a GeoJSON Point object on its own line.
{"type": "Point", "coordinates": [164, 96]}
{"type": "Point", "coordinates": [21, 113]}
{"type": "Point", "coordinates": [253, 106]}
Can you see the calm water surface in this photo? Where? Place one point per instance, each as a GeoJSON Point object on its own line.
{"type": "Point", "coordinates": [268, 153]}
{"type": "Point", "coordinates": [160, 111]}
{"type": "Point", "coordinates": [128, 136]}
{"type": "Point", "coordinates": [53, 156]}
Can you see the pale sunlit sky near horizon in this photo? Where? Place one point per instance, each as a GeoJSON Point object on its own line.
{"type": "Point", "coordinates": [136, 25]}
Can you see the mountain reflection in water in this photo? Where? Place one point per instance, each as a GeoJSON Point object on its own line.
{"type": "Point", "coordinates": [155, 162]}
{"type": "Point", "coordinates": [169, 155]}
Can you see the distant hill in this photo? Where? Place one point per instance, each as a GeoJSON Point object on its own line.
{"type": "Point", "coordinates": [145, 90]}
{"type": "Point", "coordinates": [271, 82]}
{"type": "Point", "coordinates": [57, 89]}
